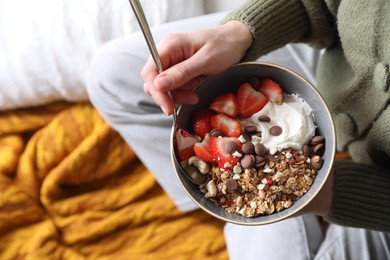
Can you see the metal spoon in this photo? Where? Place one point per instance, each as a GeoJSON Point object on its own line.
{"type": "Point", "coordinates": [191, 172]}
{"type": "Point", "coordinates": [143, 23]}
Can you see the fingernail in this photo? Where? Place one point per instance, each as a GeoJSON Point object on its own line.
{"type": "Point", "coordinates": [164, 82]}
{"type": "Point", "coordinates": [164, 109]}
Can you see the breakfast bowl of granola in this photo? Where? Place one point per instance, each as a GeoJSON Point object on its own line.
{"type": "Point", "coordinates": [258, 146]}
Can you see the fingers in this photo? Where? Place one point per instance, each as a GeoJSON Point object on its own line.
{"type": "Point", "coordinates": [161, 98]}
{"type": "Point", "coordinates": [181, 96]}
{"type": "Point", "coordinates": [180, 74]}
{"type": "Point", "coordinates": [185, 58]}
{"type": "Point", "coordinates": [148, 74]}
{"type": "Point", "coordinates": [157, 85]}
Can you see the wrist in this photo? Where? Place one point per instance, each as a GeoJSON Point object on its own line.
{"type": "Point", "coordinates": [239, 33]}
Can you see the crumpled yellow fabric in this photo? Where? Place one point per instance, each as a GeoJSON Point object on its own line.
{"type": "Point", "coordinates": [70, 188]}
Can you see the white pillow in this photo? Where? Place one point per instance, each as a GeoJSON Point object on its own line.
{"type": "Point", "coordinates": [46, 45]}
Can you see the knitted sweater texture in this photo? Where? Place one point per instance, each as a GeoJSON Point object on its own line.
{"type": "Point", "coordinates": [354, 79]}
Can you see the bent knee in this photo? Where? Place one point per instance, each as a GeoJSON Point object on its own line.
{"type": "Point", "coordinates": [115, 69]}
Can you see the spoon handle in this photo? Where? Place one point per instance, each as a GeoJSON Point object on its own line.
{"type": "Point", "coordinates": [143, 23]}
{"type": "Point", "coordinates": [139, 13]}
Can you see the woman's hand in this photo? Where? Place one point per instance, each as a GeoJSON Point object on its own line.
{"type": "Point", "coordinates": [188, 57]}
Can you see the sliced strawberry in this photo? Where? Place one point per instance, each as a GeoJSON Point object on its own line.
{"type": "Point", "coordinates": [226, 104]}
{"type": "Point", "coordinates": [249, 100]}
{"type": "Point", "coordinates": [271, 90]}
{"type": "Point", "coordinates": [184, 144]}
{"type": "Point", "coordinates": [200, 122]}
{"type": "Point", "coordinates": [203, 151]}
{"type": "Point", "coordinates": [229, 126]}
{"type": "Point", "coordinates": [218, 147]}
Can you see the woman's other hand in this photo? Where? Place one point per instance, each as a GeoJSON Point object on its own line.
{"type": "Point", "coordinates": [321, 204]}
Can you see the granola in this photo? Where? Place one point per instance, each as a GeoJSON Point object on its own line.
{"type": "Point", "coordinates": [253, 192]}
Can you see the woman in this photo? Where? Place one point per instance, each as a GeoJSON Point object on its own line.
{"type": "Point", "coordinates": [353, 77]}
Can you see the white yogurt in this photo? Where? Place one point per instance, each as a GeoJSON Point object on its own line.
{"type": "Point", "coordinates": [294, 116]}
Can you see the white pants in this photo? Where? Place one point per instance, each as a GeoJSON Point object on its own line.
{"type": "Point", "coordinates": [115, 88]}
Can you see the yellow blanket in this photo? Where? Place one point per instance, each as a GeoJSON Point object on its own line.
{"type": "Point", "coordinates": [70, 188]}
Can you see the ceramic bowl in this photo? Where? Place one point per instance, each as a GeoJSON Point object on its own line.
{"type": "Point", "coordinates": [229, 81]}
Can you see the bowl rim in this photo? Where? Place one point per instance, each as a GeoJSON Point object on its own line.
{"type": "Point", "coordinates": [294, 212]}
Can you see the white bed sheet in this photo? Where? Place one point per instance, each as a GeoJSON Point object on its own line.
{"type": "Point", "coordinates": [46, 45]}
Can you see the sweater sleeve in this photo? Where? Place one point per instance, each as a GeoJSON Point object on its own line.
{"type": "Point", "coordinates": [361, 196]}
{"type": "Point", "coordinates": [275, 23]}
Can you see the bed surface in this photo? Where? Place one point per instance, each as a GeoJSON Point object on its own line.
{"type": "Point", "coordinates": [72, 189]}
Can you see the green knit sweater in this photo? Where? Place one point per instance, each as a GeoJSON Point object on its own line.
{"type": "Point", "coordinates": [353, 77]}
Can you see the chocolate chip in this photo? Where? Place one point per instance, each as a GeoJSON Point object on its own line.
{"type": "Point", "coordinates": [316, 158]}
{"type": "Point", "coordinates": [317, 149]}
{"type": "Point", "coordinates": [216, 133]}
{"type": "Point", "coordinates": [248, 148]}
{"type": "Point", "coordinates": [231, 147]}
{"type": "Point", "coordinates": [247, 161]}
{"type": "Point", "coordinates": [317, 139]}
{"type": "Point", "coordinates": [316, 162]}
{"type": "Point", "coordinates": [275, 130]}
{"type": "Point", "coordinates": [317, 165]}
{"type": "Point", "coordinates": [260, 149]}
{"type": "Point", "coordinates": [264, 118]}
{"type": "Point", "coordinates": [260, 165]}
{"type": "Point", "coordinates": [250, 129]}
{"type": "Point", "coordinates": [231, 184]}
{"type": "Point", "coordinates": [246, 137]}
{"type": "Point", "coordinates": [259, 159]}
{"type": "Point", "coordinates": [306, 150]}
